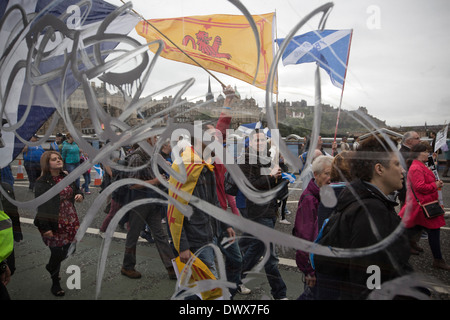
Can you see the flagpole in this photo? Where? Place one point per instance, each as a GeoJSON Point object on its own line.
{"type": "Point", "coordinates": [276, 76]}
{"type": "Point", "coordinates": [195, 61]}
{"type": "Point", "coordinates": [343, 85]}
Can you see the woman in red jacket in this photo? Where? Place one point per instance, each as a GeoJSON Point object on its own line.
{"type": "Point", "coordinates": [425, 186]}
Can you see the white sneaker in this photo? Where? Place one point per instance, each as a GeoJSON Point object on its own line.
{"type": "Point", "coordinates": [243, 289]}
{"type": "Point", "coordinates": [284, 221]}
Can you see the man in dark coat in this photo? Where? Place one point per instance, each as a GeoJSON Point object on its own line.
{"type": "Point", "coordinates": [265, 214]}
{"type": "Point", "coordinates": [364, 217]}
{"type": "Point", "coordinates": [409, 140]}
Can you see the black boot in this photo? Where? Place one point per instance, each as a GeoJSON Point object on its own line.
{"type": "Point", "coordinates": [56, 287]}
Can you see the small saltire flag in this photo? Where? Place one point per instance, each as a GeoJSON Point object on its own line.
{"type": "Point", "coordinates": [220, 42]}
{"type": "Point", "coordinates": [51, 81]}
{"type": "Point", "coordinates": [98, 169]}
{"type": "Point", "coordinates": [248, 128]}
{"type": "Point", "coordinates": [329, 48]}
{"type": "Point", "coordinates": [288, 176]}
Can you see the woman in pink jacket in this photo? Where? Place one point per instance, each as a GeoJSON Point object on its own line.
{"type": "Point", "coordinates": [425, 186]}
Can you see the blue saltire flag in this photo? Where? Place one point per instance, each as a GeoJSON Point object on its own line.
{"type": "Point", "coordinates": [288, 176]}
{"type": "Point", "coordinates": [50, 79]}
{"type": "Point", "coordinates": [247, 128]}
{"type": "Point", "coordinates": [99, 170]}
{"type": "Point", "coordinates": [329, 48]}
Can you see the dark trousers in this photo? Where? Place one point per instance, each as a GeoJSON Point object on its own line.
{"type": "Point", "coordinates": [434, 239]}
{"type": "Point", "coordinates": [149, 214]}
{"type": "Point", "coordinates": [33, 170]}
{"type": "Point", "coordinates": [57, 255]}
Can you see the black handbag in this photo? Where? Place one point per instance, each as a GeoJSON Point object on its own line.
{"type": "Point", "coordinates": [431, 209]}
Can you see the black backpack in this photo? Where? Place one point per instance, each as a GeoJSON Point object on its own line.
{"type": "Point", "coordinates": [330, 236]}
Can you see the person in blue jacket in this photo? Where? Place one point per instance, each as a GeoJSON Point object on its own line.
{"type": "Point", "coordinates": [70, 153]}
{"type": "Point", "coordinates": [31, 157]}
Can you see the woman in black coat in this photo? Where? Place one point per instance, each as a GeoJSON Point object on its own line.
{"type": "Point", "coordinates": [56, 218]}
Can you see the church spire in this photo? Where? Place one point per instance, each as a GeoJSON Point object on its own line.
{"type": "Point", "coordinates": [209, 95]}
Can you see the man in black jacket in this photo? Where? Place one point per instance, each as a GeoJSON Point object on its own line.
{"type": "Point", "coordinates": [257, 168]}
{"type": "Point", "coordinates": [146, 213]}
{"type": "Point", "coordinates": [409, 140]}
{"type": "Point", "coordinates": [364, 217]}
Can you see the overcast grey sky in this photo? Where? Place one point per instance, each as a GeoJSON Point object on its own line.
{"type": "Point", "coordinates": [398, 66]}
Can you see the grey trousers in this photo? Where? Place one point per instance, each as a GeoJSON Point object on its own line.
{"type": "Point", "coordinates": [138, 217]}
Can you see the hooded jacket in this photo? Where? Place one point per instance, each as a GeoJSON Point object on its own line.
{"type": "Point", "coordinates": [364, 216]}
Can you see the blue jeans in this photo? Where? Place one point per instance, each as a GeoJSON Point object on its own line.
{"type": "Point", "coordinates": [87, 181]}
{"type": "Point", "coordinates": [233, 262]}
{"type": "Point", "coordinates": [206, 254]}
{"type": "Point", "coordinates": [33, 170]}
{"type": "Point", "coordinates": [255, 249]}
{"type": "Point", "coordinates": [70, 167]}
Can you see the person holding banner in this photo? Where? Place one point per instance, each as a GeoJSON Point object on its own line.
{"type": "Point", "coordinates": [436, 151]}
{"type": "Point", "coordinates": [192, 237]}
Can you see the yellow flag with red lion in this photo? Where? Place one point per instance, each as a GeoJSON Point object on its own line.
{"type": "Point", "coordinates": [220, 42]}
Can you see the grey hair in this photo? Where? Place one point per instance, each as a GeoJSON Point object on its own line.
{"type": "Point", "coordinates": [407, 136]}
{"type": "Point", "coordinates": [321, 162]}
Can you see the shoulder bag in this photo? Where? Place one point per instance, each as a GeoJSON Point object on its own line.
{"type": "Point", "coordinates": [431, 209]}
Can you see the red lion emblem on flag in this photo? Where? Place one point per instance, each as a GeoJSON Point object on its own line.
{"type": "Point", "coordinates": [203, 40]}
